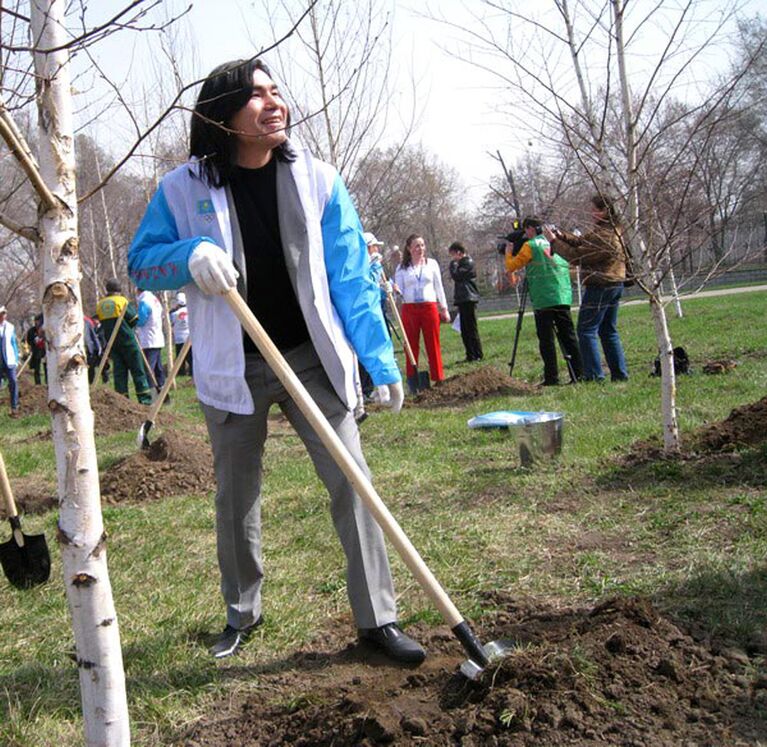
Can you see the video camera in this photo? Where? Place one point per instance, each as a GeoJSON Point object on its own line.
{"type": "Point", "coordinates": [516, 238]}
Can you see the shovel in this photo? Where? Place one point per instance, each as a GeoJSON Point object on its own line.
{"type": "Point", "coordinates": [108, 349]}
{"type": "Point", "coordinates": [479, 656]}
{"type": "Point", "coordinates": [25, 558]}
{"type": "Point", "coordinates": [149, 373]}
{"type": "Point", "coordinates": [142, 439]}
{"type": "Point", "coordinates": [421, 380]}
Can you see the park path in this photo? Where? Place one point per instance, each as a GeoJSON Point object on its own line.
{"type": "Point", "coordinates": [636, 301]}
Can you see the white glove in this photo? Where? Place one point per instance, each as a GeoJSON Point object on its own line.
{"type": "Point", "coordinates": [392, 395]}
{"type": "Point", "coordinates": [212, 269]}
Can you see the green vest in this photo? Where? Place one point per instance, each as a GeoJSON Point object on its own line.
{"type": "Point", "coordinates": [548, 276]}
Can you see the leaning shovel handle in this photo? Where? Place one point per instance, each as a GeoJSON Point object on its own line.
{"type": "Point", "coordinates": [149, 372]}
{"type": "Point", "coordinates": [343, 459]}
{"type": "Point", "coordinates": [24, 365]}
{"type": "Point", "coordinates": [10, 504]}
{"type": "Point", "coordinates": [108, 349]}
{"type": "Point", "coordinates": [180, 358]}
{"type": "Point", "coordinates": [395, 311]}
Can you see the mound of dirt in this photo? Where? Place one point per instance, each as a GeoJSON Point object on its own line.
{"type": "Point", "coordinates": [112, 411]}
{"type": "Point", "coordinates": [743, 427]}
{"type": "Point", "coordinates": [32, 496]}
{"type": "Point", "coordinates": [171, 466]}
{"type": "Point", "coordinates": [486, 381]}
{"type": "Point", "coordinates": [619, 673]}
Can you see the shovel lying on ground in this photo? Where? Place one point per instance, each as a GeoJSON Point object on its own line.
{"type": "Point", "coordinates": [108, 348]}
{"type": "Point", "coordinates": [479, 656]}
{"type": "Point", "coordinates": [25, 558]}
{"type": "Point", "coordinates": [142, 438]}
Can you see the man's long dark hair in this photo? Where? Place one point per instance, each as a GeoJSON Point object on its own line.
{"type": "Point", "coordinates": [225, 91]}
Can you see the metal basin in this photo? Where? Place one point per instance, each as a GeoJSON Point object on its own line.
{"type": "Point", "coordinates": [539, 434]}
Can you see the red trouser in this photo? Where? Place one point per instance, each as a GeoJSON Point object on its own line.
{"type": "Point", "coordinates": [423, 318]}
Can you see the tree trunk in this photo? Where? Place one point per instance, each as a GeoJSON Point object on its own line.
{"type": "Point", "coordinates": [668, 375]}
{"type": "Point", "coordinates": [81, 531]}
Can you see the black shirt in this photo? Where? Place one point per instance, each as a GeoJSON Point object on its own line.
{"type": "Point", "coordinates": [270, 293]}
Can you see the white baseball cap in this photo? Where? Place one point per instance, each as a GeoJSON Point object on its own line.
{"type": "Point", "coordinates": [371, 240]}
{"type": "Point", "coordinates": [181, 297]}
{"type": "Point", "coordinates": [2, 309]}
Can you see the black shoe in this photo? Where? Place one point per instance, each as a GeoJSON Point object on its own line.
{"type": "Point", "coordinates": [232, 640]}
{"type": "Point", "coordinates": [394, 643]}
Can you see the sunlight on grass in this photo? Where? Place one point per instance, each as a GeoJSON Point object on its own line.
{"type": "Point", "coordinates": [574, 530]}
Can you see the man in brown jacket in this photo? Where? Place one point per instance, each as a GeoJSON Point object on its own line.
{"type": "Point", "coordinates": [602, 259]}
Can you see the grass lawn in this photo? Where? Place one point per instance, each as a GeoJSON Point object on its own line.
{"type": "Point", "coordinates": [583, 527]}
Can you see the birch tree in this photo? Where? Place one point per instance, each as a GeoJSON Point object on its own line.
{"type": "Point", "coordinates": [81, 534]}
{"type": "Point", "coordinates": [598, 77]}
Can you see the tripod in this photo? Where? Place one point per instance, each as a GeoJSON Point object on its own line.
{"type": "Point", "coordinates": [520, 316]}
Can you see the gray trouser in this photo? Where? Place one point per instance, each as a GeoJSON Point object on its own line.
{"type": "Point", "coordinates": [238, 447]}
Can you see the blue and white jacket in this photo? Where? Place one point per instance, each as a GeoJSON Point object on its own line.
{"type": "Point", "coordinates": [326, 258]}
{"type": "Point", "coordinates": [9, 347]}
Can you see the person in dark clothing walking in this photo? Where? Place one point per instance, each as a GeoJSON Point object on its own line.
{"type": "Point", "coordinates": [465, 298]}
{"type": "Point", "coordinates": [551, 293]}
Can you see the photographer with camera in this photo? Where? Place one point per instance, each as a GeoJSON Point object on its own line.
{"type": "Point", "coordinates": [602, 257]}
{"type": "Point", "coordinates": [551, 293]}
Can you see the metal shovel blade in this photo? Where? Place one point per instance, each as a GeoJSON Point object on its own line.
{"type": "Point", "coordinates": [494, 650]}
{"type": "Point", "coordinates": [142, 438]}
{"type": "Point", "coordinates": [28, 565]}
{"type": "Point", "coordinates": [423, 380]}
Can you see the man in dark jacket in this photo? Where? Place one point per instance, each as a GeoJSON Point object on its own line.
{"type": "Point", "coordinates": [36, 342]}
{"type": "Point", "coordinates": [465, 298]}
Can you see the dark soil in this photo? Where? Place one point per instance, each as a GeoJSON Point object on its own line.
{"type": "Point", "coordinates": [112, 411]}
{"type": "Point", "coordinates": [173, 465]}
{"type": "Point", "coordinates": [620, 673]}
{"type": "Point", "coordinates": [486, 381]}
{"type": "Point", "coordinates": [744, 427]}
{"type": "Point", "coordinates": [32, 496]}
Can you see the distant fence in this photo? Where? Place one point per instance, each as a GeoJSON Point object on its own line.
{"type": "Point", "coordinates": [751, 275]}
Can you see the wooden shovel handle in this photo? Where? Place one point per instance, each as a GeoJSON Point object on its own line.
{"type": "Point", "coordinates": [180, 358]}
{"type": "Point", "coordinates": [5, 487]}
{"type": "Point", "coordinates": [343, 459]}
{"type": "Point", "coordinates": [148, 368]}
{"type": "Point", "coordinates": [108, 349]}
{"type": "Point", "coordinates": [398, 318]}
{"type": "Point", "coordinates": [24, 365]}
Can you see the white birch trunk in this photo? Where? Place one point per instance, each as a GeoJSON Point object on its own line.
{"type": "Point", "coordinates": [668, 379]}
{"type": "Point", "coordinates": [81, 530]}
{"type": "Point", "coordinates": [668, 376]}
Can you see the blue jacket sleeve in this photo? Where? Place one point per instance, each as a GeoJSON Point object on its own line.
{"type": "Point", "coordinates": [355, 296]}
{"type": "Point", "coordinates": [144, 312]}
{"type": "Point", "coordinates": [157, 258]}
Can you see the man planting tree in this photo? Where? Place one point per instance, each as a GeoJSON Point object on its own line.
{"type": "Point", "coordinates": [252, 210]}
